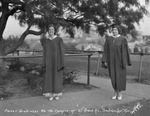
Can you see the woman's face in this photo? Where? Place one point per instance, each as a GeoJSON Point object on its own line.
{"type": "Point", "coordinates": [51, 31]}
{"type": "Point", "coordinates": [115, 31]}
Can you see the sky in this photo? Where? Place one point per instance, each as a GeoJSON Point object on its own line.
{"type": "Point", "coordinates": [144, 25]}
{"type": "Point", "coordinates": [13, 28]}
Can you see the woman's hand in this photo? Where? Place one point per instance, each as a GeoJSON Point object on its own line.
{"type": "Point", "coordinates": [104, 65]}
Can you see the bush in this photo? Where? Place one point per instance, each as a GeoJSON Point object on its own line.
{"type": "Point", "coordinates": [35, 75]}
{"type": "Point", "coordinates": [69, 76]}
{"type": "Point", "coordinates": [35, 81]}
{"type": "Point", "coordinates": [14, 64]}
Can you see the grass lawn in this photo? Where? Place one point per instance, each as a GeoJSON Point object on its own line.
{"type": "Point", "coordinates": [80, 63]}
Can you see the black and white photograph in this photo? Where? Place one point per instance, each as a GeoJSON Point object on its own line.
{"type": "Point", "coordinates": [74, 58]}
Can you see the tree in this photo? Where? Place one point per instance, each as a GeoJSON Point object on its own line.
{"type": "Point", "coordinates": [68, 14]}
{"type": "Point", "coordinates": [11, 41]}
{"type": "Point", "coordinates": [135, 34]}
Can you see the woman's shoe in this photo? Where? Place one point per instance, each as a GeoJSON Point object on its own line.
{"type": "Point", "coordinates": [56, 97]}
{"type": "Point", "coordinates": [114, 97]}
{"type": "Point", "coordinates": [119, 97]}
{"type": "Point", "coordinates": [51, 98]}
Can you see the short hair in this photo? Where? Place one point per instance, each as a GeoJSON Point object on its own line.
{"type": "Point", "coordinates": [50, 25]}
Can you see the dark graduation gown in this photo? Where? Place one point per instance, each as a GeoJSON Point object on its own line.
{"type": "Point", "coordinates": [54, 51]}
{"type": "Point", "coordinates": [116, 54]}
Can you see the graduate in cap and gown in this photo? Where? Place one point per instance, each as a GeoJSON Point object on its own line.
{"type": "Point", "coordinates": [54, 60]}
{"type": "Point", "coordinates": [116, 58]}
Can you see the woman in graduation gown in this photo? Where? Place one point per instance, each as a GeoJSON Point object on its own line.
{"type": "Point", "coordinates": [116, 58]}
{"type": "Point", "coordinates": [54, 53]}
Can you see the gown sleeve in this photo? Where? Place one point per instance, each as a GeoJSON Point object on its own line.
{"type": "Point", "coordinates": [105, 54]}
{"type": "Point", "coordinates": [61, 55]}
{"type": "Point", "coordinates": [125, 56]}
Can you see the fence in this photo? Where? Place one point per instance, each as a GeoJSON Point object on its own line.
{"type": "Point", "coordinates": [141, 62]}
{"type": "Point", "coordinates": [141, 54]}
{"type": "Point", "coordinates": [18, 56]}
{"type": "Point", "coordinates": [80, 53]}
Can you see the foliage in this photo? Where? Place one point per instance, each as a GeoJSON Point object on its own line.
{"type": "Point", "coordinates": [147, 43]}
{"type": "Point", "coordinates": [14, 64]}
{"type": "Point", "coordinates": [35, 74]}
{"type": "Point", "coordinates": [69, 75]}
{"type": "Point", "coordinates": [12, 40]}
{"type": "Point", "coordinates": [36, 81]}
{"type": "Point", "coordinates": [70, 14]}
{"type": "Point", "coordinates": [135, 34]}
{"type": "Point", "coordinates": [100, 41]}
{"type": "Point", "coordinates": [70, 46]}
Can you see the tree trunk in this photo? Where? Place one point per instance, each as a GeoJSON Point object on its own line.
{"type": "Point", "coordinates": [3, 21]}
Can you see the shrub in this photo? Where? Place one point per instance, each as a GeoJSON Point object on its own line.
{"type": "Point", "coordinates": [69, 76]}
{"type": "Point", "coordinates": [35, 73]}
{"type": "Point", "coordinates": [35, 81]}
{"type": "Point", "coordinates": [35, 76]}
{"type": "Point", "coordinates": [14, 64]}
